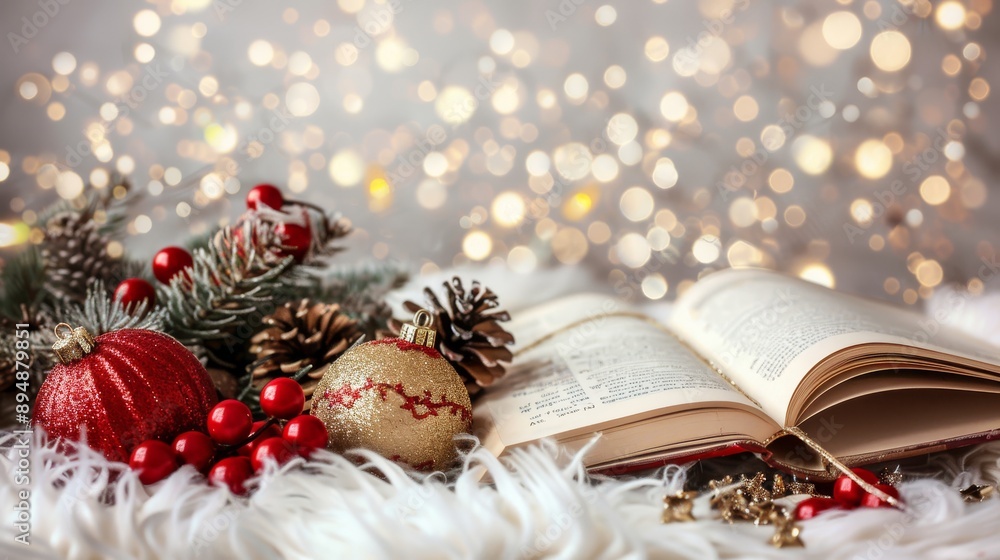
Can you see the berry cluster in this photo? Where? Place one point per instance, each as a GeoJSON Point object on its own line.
{"type": "Point", "coordinates": [847, 494]}
{"type": "Point", "coordinates": [295, 240]}
{"type": "Point", "coordinates": [235, 446]}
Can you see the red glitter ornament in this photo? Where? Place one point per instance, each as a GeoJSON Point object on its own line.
{"type": "Point", "coordinates": [122, 388]}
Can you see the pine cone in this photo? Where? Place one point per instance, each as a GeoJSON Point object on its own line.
{"type": "Point", "coordinates": [75, 254]}
{"type": "Point", "coordinates": [301, 334]}
{"type": "Point", "coordinates": [468, 332]}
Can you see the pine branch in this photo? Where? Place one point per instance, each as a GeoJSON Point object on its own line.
{"type": "Point", "coordinates": [240, 276]}
{"type": "Point", "coordinates": [100, 314]}
{"type": "Point", "coordinates": [234, 278]}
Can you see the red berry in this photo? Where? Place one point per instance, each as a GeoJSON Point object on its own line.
{"type": "Point", "coordinates": [154, 460]}
{"type": "Point", "coordinates": [849, 493]}
{"type": "Point", "coordinates": [195, 449]}
{"type": "Point", "coordinates": [229, 422]}
{"type": "Point", "coordinates": [133, 291]}
{"type": "Point", "coordinates": [811, 507]}
{"type": "Point", "coordinates": [232, 472]}
{"type": "Point", "coordinates": [873, 501]}
{"type": "Point", "coordinates": [282, 398]}
{"type": "Point", "coordinates": [169, 262]}
{"type": "Point", "coordinates": [306, 433]}
{"type": "Point", "coordinates": [271, 449]}
{"type": "Point", "coordinates": [267, 195]}
{"type": "Point", "coordinates": [295, 240]}
{"type": "Point", "coordinates": [272, 431]}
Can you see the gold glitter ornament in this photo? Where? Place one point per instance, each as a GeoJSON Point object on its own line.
{"type": "Point", "coordinates": [396, 396]}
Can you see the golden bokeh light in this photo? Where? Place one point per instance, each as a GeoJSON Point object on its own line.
{"type": "Point", "coordinates": [633, 250]}
{"type": "Point", "coordinates": [935, 190]}
{"type": "Point", "coordinates": [477, 245]}
{"type": "Point", "coordinates": [569, 245]}
{"type": "Point", "coordinates": [347, 168]}
{"type": "Point", "coordinates": [950, 15]}
{"type": "Point", "coordinates": [636, 204]}
{"type": "Point", "coordinates": [673, 106]}
{"type": "Point", "coordinates": [654, 286]}
{"type": "Point", "coordinates": [508, 209]}
{"type": "Point", "coordinates": [818, 273]}
{"type": "Point", "coordinates": [813, 155]}
{"type": "Point", "coordinates": [890, 51]}
{"type": "Point", "coordinates": [842, 30]}
{"type": "Point", "coordinates": [745, 108]}
{"type": "Point", "coordinates": [146, 23]}
{"type": "Point", "coordinates": [873, 159]}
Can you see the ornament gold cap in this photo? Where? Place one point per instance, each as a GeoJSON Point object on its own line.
{"type": "Point", "coordinates": [419, 331]}
{"type": "Point", "coordinates": [73, 344]}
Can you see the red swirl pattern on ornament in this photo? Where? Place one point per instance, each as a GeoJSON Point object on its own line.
{"type": "Point", "coordinates": [135, 385]}
{"type": "Point", "coordinates": [346, 396]}
{"type": "Point", "coordinates": [406, 345]}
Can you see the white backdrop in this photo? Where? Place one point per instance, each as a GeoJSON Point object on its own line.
{"type": "Point", "coordinates": [747, 133]}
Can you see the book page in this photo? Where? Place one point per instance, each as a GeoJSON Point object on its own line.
{"type": "Point", "coordinates": [605, 368]}
{"type": "Point", "coordinates": [767, 330]}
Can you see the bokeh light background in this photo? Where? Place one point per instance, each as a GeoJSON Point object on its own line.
{"type": "Point", "coordinates": [848, 142]}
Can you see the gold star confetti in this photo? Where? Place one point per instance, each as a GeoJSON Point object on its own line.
{"type": "Point", "coordinates": [754, 487]}
{"type": "Point", "coordinates": [978, 492]}
{"type": "Point", "coordinates": [786, 532]}
{"type": "Point", "coordinates": [890, 477]}
{"type": "Point", "coordinates": [732, 505]}
{"type": "Point", "coordinates": [677, 507]}
{"type": "Point", "coordinates": [764, 513]}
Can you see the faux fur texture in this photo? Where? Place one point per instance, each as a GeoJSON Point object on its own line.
{"type": "Point", "coordinates": [540, 505]}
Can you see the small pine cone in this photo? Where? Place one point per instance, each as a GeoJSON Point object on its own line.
{"type": "Point", "coordinates": [468, 332]}
{"type": "Point", "coordinates": [301, 334]}
{"type": "Point", "coordinates": [75, 255]}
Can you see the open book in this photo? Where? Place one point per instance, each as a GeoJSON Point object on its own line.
{"type": "Point", "coordinates": [747, 356]}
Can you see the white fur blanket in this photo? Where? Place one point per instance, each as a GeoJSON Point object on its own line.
{"type": "Point", "coordinates": [541, 505]}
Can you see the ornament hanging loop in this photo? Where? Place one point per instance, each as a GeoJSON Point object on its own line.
{"type": "Point", "coordinates": [420, 331]}
{"type": "Point", "coordinates": [68, 332]}
{"type": "Point", "coordinates": [73, 344]}
{"type": "Point", "coordinates": [422, 319]}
